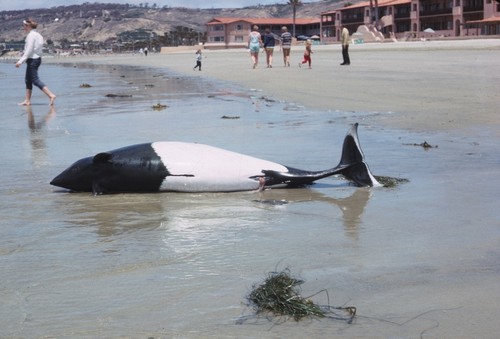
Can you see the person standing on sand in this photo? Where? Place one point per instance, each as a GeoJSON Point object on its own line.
{"type": "Point", "coordinates": [254, 44]}
{"type": "Point", "coordinates": [269, 43]}
{"type": "Point", "coordinates": [345, 46]}
{"type": "Point", "coordinates": [32, 55]}
{"type": "Point", "coordinates": [198, 57]}
{"type": "Point", "coordinates": [307, 54]}
{"type": "Point", "coordinates": [286, 45]}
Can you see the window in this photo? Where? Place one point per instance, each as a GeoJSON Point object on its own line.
{"type": "Point", "coordinates": [239, 27]}
{"type": "Point", "coordinates": [218, 28]}
{"type": "Point", "coordinates": [238, 38]}
{"type": "Point", "coordinates": [327, 18]}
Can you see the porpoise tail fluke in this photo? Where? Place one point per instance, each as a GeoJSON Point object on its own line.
{"type": "Point", "coordinates": [352, 163]}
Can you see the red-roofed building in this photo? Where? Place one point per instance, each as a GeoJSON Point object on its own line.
{"type": "Point", "coordinates": [489, 24]}
{"type": "Point", "coordinates": [416, 18]}
{"type": "Point", "coordinates": [233, 32]}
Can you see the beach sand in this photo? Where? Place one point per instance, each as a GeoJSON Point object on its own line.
{"type": "Point", "coordinates": [426, 85]}
{"type": "Point", "coordinates": [434, 253]}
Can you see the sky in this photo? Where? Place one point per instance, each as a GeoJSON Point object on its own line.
{"type": "Point", "coordinates": [7, 5]}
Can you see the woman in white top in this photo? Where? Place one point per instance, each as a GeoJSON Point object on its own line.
{"type": "Point", "coordinates": [33, 57]}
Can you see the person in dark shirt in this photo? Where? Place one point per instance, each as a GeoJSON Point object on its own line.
{"type": "Point", "coordinates": [269, 43]}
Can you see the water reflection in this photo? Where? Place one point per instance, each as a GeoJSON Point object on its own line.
{"type": "Point", "coordinates": [112, 215]}
{"type": "Point", "coordinates": [175, 212]}
{"type": "Point", "coordinates": [37, 137]}
{"type": "Point", "coordinates": [352, 206]}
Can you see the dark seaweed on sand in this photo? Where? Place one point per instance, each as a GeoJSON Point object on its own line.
{"type": "Point", "coordinates": [390, 181]}
{"type": "Point", "coordinates": [159, 107]}
{"type": "Point", "coordinates": [425, 145]}
{"type": "Point", "coordinates": [279, 296]}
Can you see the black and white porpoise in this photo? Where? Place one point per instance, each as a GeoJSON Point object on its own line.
{"type": "Point", "coordinates": [191, 167]}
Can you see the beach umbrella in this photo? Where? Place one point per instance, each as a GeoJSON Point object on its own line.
{"type": "Point", "coordinates": [429, 30]}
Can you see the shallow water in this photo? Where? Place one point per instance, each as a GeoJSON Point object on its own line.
{"type": "Point", "coordinates": [415, 260]}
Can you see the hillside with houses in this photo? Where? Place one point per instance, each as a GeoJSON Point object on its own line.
{"type": "Point", "coordinates": [103, 26]}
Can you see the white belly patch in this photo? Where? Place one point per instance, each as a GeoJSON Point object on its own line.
{"type": "Point", "coordinates": [203, 168]}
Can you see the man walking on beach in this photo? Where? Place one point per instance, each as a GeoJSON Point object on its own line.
{"type": "Point", "coordinates": [286, 45]}
{"type": "Point", "coordinates": [345, 46]}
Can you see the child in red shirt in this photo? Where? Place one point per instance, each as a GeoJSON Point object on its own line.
{"type": "Point", "coordinates": [307, 54]}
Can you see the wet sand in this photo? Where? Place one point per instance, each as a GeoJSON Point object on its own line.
{"type": "Point", "coordinates": [419, 260]}
{"type": "Point", "coordinates": [431, 85]}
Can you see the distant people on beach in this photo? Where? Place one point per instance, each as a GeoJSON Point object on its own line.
{"type": "Point", "coordinates": [254, 44]}
{"type": "Point", "coordinates": [198, 57]}
{"type": "Point", "coordinates": [345, 47]}
{"type": "Point", "coordinates": [307, 54]}
{"type": "Point", "coordinates": [269, 43]}
{"type": "Point", "coordinates": [286, 45]}
{"type": "Point", "coordinates": [32, 55]}
{"type": "Point", "coordinates": [145, 51]}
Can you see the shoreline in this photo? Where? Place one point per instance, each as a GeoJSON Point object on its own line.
{"type": "Point", "coordinates": [431, 85]}
{"type": "Point", "coordinates": [422, 255]}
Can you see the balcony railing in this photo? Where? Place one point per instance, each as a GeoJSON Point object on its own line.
{"type": "Point", "coordinates": [353, 20]}
{"type": "Point", "coordinates": [443, 11]}
{"type": "Point", "coordinates": [478, 8]}
{"type": "Point", "coordinates": [402, 15]}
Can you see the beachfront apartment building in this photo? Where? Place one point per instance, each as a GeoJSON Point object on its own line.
{"type": "Point", "coordinates": [399, 19]}
{"type": "Point", "coordinates": [403, 19]}
{"type": "Point", "coordinates": [233, 32]}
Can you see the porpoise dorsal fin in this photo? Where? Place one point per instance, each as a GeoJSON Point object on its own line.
{"type": "Point", "coordinates": [102, 158]}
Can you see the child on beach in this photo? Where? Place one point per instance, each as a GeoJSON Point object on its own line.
{"type": "Point", "coordinates": [307, 54]}
{"type": "Point", "coordinates": [198, 58]}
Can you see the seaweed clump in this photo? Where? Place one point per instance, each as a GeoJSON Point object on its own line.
{"type": "Point", "coordinates": [111, 95]}
{"type": "Point", "coordinates": [390, 182]}
{"type": "Point", "coordinates": [279, 295]}
{"type": "Point", "coordinates": [425, 145]}
{"type": "Point", "coordinates": [159, 107]}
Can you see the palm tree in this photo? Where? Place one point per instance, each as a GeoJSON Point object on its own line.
{"type": "Point", "coordinates": [374, 13]}
{"type": "Point", "coordinates": [294, 4]}
{"type": "Point", "coordinates": [371, 11]}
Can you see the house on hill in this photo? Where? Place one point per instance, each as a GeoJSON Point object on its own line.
{"type": "Point", "coordinates": [233, 32]}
